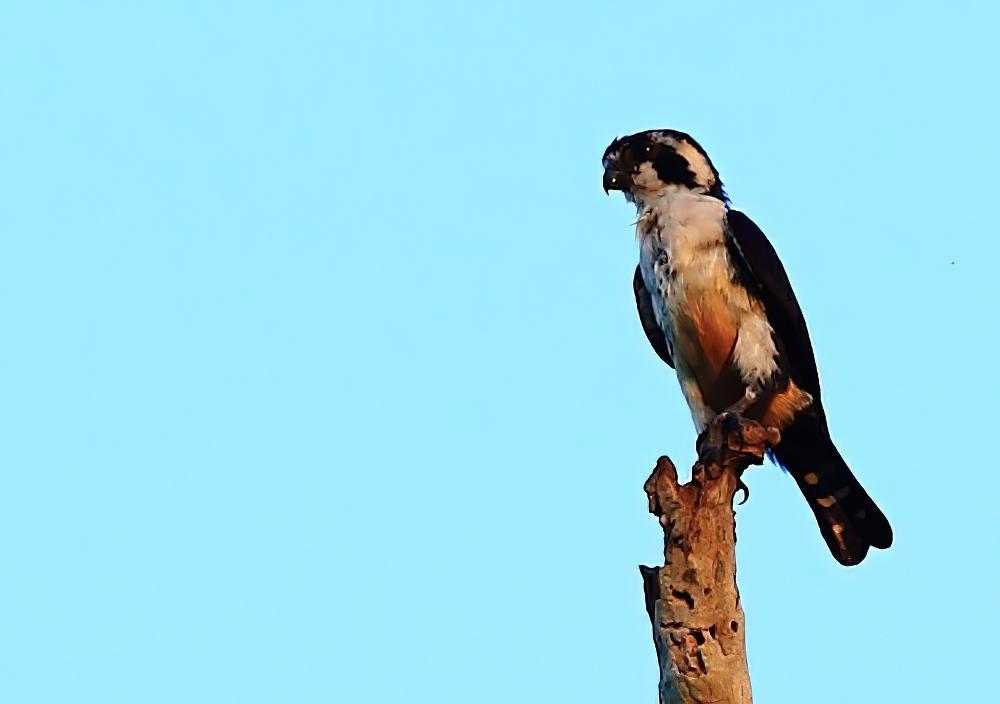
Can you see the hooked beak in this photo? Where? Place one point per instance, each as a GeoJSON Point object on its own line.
{"type": "Point", "coordinates": [615, 180]}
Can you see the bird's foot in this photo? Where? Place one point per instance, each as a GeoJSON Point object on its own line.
{"type": "Point", "coordinates": [733, 441]}
{"type": "Point", "coordinates": [717, 433]}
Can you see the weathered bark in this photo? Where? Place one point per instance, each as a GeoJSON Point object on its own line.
{"type": "Point", "coordinates": [693, 601]}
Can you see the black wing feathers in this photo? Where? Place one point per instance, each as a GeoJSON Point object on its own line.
{"type": "Point", "coordinates": [764, 276]}
{"type": "Point", "coordinates": [644, 302]}
{"type": "Point", "coordinates": [848, 518]}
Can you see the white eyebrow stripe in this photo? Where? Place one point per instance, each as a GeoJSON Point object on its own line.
{"type": "Point", "coordinates": [696, 160]}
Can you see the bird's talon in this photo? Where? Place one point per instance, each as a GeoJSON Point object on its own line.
{"type": "Point", "coordinates": [741, 486]}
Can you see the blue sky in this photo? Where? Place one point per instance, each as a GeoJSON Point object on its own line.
{"type": "Point", "coordinates": [322, 379]}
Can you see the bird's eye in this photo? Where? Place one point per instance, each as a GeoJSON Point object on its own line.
{"type": "Point", "coordinates": [649, 149]}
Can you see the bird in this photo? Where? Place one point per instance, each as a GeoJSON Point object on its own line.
{"type": "Point", "coordinates": [716, 305]}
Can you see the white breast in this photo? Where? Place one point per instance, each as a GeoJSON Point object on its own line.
{"type": "Point", "coordinates": [686, 266]}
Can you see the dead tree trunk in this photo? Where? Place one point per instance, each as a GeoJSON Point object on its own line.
{"type": "Point", "coordinates": [692, 601]}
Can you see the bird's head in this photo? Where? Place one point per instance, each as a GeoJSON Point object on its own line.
{"type": "Point", "coordinates": [646, 164]}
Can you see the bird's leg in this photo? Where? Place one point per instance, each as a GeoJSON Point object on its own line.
{"type": "Point", "coordinates": [753, 393]}
{"type": "Point", "coordinates": [741, 406]}
{"type": "Point", "coordinates": [731, 423]}
{"type": "Point", "coordinates": [732, 419]}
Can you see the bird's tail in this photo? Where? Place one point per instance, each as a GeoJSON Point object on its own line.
{"type": "Point", "coordinates": [848, 518]}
